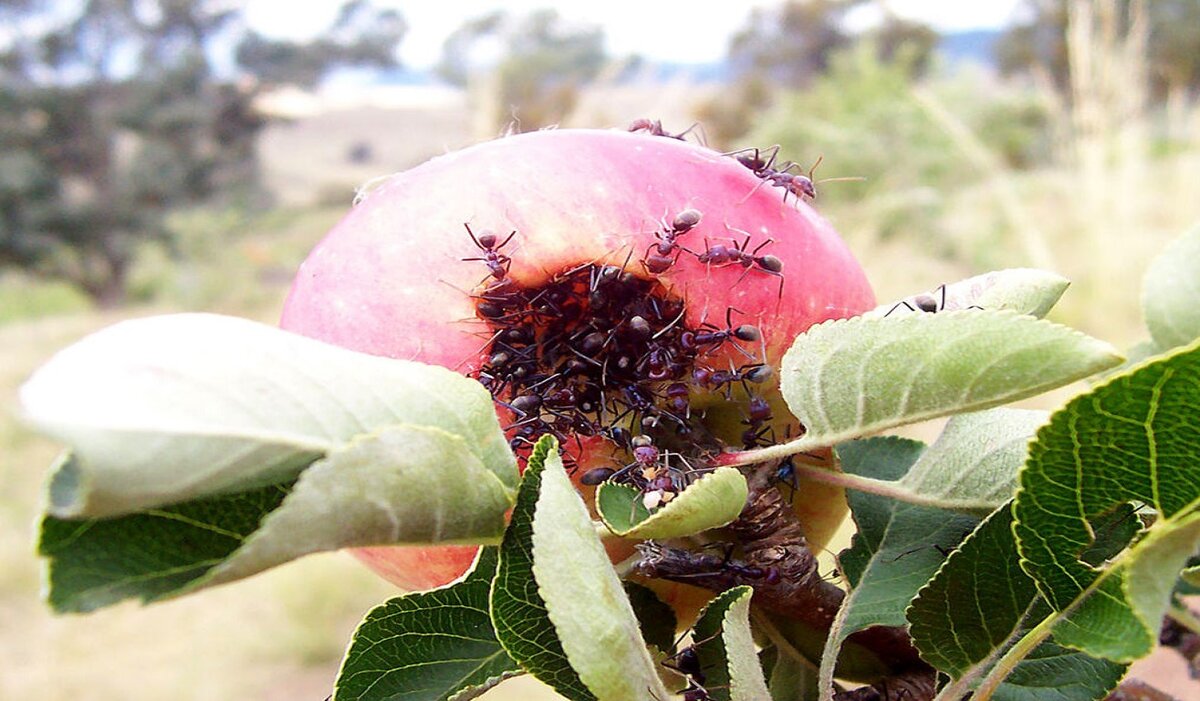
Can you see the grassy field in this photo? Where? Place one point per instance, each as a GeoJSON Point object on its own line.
{"type": "Point", "coordinates": [280, 635]}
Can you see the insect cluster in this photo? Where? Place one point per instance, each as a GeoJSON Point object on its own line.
{"type": "Point", "coordinates": [602, 351]}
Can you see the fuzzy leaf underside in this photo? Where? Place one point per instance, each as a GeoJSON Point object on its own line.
{"type": "Point", "coordinates": [726, 650]}
{"type": "Point", "coordinates": [710, 502]}
{"type": "Point", "coordinates": [973, 464]}
{"type": "Point", "coordinates": [1171, 293]}
{"type": "Point", "coordinates": [169, 409]}
{"type": "Point", "coordinates": [850, 377]}
{"type": "Point", "coordinates": [897, 548]}
{"type": "Point", "coordinates": [584, 598]}
{"type": "Point", "coordinates": [429, 646]}
{"type": "Point", "coordinates": [1022, 290]}
{"type": "Point", "coordinates": [1133, 438]}
{"type": "Point", "coordinates": [388, 488]}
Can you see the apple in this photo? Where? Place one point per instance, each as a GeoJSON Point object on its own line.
{"type": "Point", "coordinates": [410, 271]}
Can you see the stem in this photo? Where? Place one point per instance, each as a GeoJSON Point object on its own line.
{"type": "Point", "coordinates": [779, 451]}
{"type": "Point", "coordinates": [1136, 690]}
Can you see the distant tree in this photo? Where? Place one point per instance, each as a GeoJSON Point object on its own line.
{"type": "Point", "coordinates": [792, 45]}
{"type": "Point", "coordinates": [115, 116]}
{"type": "Point", "coordinates": [530, 67]}
{"type": "Point", "coordinates": [1173, 48]}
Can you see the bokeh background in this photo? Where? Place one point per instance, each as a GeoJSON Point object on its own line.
{"type": "Point", "coordinates": [165, 155]}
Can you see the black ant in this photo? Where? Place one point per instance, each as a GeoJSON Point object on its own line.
{"type": "Point", "coordinates": [923, 302]}
{"type": "Point", "coordinates": [756, 373]}
{"type": "Point", "coordinates": [654, 127]}
{"type": "Point", "coordinates": [645, 456]}
{"type": "Point", "coordinates": [786, 474]}
{"type": "Point", "coordinates": [715, 336]}
{"type": "Point", "coordinates": [661, 260]}
{"type": "Point", "coordinates": [758, 416]}
{"type": "Point", "coordinates": [720, 255]}
{"type": "Point", "coordinates": [497, 263]}
{"type": "Point", "coordinates": [758, 165]}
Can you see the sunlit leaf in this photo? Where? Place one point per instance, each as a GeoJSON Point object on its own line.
{"type": "Point", "coordinates": [1022, 290]}
{"type": "Point", "coordinates": [169, 409]}
{"type": "Point", "coordinates": [1133, 438]}
{"type": "Point", "coordinates": [851, 377]}
{"type": "Point", "coordinates": [383, 489]}
{"type": "Point", "coordinates": [726, 649]}
{"type": "Point", "coordinates": [712, 501]}
{"type": "Point", "coordinates": [973, 465]}
{"type": "Point", "coordinates": [1171, 293]}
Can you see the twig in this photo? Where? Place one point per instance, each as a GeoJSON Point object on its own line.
{"type": "Point", "coordinates": [915, 685]}
{"type": "Point", "coordinates": [778, 563]}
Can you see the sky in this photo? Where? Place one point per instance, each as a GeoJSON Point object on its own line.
{"type": "Point", "coordinates": [663, 30]}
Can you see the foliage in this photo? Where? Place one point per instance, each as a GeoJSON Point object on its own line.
{"type": "Point", "coordinates": [528, 68]}
{"type": "Point", "coordinates": [1173, 41]}
{"type": "Point", "coordinates": [115, 116]}
{"type": "Point", "coordinates": [794, 46]}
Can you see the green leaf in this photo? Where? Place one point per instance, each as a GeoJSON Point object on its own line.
{"type": "Point", "coordinates": [714, 500]}
{"type": "Point", "coordinates": [1171, 293]}
{"type": "Point", "coordinates": [975, 602]}
{"type": "Point", "coordinates": [851, 377]}
{"type": "Point", "coordinates": [792, 680]}
{"type": "Point", "coordinates": [519, 615]}
{"type": "Point", "coordinates": [175, 408]}
{"type": "Point", "coordinates": [1155, 565]}
{"type": "Point", "coordinates": [897, 548]}
{"type": "Point", "coordinates": [655, 618]}
{"type": "Point", "coordinates": [1191, 575]}
{"type": "Point", "coordinates": [1055, 673]}
{"type": "Point", "coordinates": [429, 646]}
{"type": "Point", "coordinates": [1133, 438]}
{"type": "Point", "coordinates": [584, 598]}
{"type": "Point", "coordinates": [1022, 290]}
{"type": "Point", "coordinates": [973, 465]}
{"type": "Point", "coordinates": [388, 488]}
{"type": "Point", "coordinates": [558, 606]}
{"type": "Point", "coordinates": [726, 649]}
{"type": "Point", "coordinates": [980, 602]}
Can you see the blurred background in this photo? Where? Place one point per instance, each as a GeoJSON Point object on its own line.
{"type": "Point", "coordinates": [164, 155]}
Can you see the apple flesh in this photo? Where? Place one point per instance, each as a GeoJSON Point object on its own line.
{"type": "Point", "coordinates": [391, 280]}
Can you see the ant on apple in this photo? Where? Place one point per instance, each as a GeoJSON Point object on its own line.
{"type": "Point", "coordinates": [497, 263]}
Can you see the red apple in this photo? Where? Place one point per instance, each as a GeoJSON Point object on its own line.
{"type": "Point", "coordinates": [391, 278]}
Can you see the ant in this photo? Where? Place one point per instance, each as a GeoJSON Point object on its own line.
{"type": "Point", "coordinates": [645, 455]}
{"type": "Point", "coordinates": [720, 255]}
{"type": "Point", "coordinates": [761, 167]}
{"type": "Point", "coordinates": [786, 474]}
{"type": "Point", "coordinates": [758, 416]}
{"type": "Point", "coordinates": [923, 302]}
{"type": "Point", "coordinates": [654, 127]}
{"type": "Point", "coordinates": [661, 261]}
{"type": "Point", "coordinates": [716, 379]}
{"type": "Point", "coordinates": [692, 340]}
{"type": "Point", "coordinates": [497, 263]}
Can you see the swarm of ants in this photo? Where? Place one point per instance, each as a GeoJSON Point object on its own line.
{"type": "Point", "coordinates": [604, 351]}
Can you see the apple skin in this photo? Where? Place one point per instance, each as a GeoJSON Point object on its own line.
{"type": "Point", "coordinates": [390, 278]}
